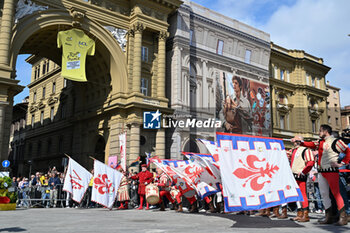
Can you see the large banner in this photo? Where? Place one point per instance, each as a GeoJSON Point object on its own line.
{"type": "Point", "coordinates": [255, 173]}
{"type": "Point", "coordinates": [77, 180]}
{"type": "Point", "coordinates": [243, 105]}
{"type": "Point", "coordinates": [192, 173]}
{"type": "Point", "coordinates": [106, 184]}
{"type": "Point", "coordinates": [122, 147]}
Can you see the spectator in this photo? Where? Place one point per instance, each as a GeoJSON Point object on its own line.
{"type": "Point", "coordinates": [24, 184]}
{"type": "Point", "coordinates": [45, 192]}
{"type": "Point", "coordinates": [54, 183]}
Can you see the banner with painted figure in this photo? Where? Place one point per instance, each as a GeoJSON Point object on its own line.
{"type": "Point", "coordinates": [193, 173]}
{"type": "Point", "coordinates": [122, 147]}
{"type": "Point", "coordinates": [77, 180]}
{"type": "Point", "coordinates": [243, 105]}
{"type": "Point", "coordinates": [106, 184]}
{"type": "Point", "coordinates": [255, 172]}
{"type": "Point", "coordinates": [113, 161]}
{"type": "Point", "coordinates": [212, 148]}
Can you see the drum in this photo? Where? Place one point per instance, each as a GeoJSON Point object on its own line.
{"type": "Point", "coordinates": [152, 194]}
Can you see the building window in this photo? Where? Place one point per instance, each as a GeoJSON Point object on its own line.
{"type": "Point", "coordinates": [39, 148]}
{"type": "Point", "coordinates": [220, 47]}
{"type": "Point", "coordinates": [282, 74]}
{"type": "Point", "coordinates": [35, 72]}
{"type": "Point", "coordinates": [327, 105]}
{"type": "Point", "coordinates": [60, 144]}
{"type": "Point", "coordinates": [317, 82]}
{"type": "Point", "coordinates": [248, 54]}
{"type": "Point", "coordinates": [33, 120]}
{"type": "Point", "coordinates": [307, 79]}
{"type": "Point", "coordinates": [191, 36]}
{"type": "Point", "coordinates": [44, 67]}
{"type": "Point", "coordinates": [276, 72]}
{"type": "Point", "coordinates": [34, 97]}
{"type": "Point", "coordinates": [47, 66]}
{"type": "Point", "coordinates": [53, 87]}
{"type": "Point", "coordinates": [336, 107]}
{"type": "Point", "coordinates": [52, 113]}
{"type": "Point", "coordinates": [144, 54]}
{"type": "Point", "coordinates": [313, 81]}
{"type": "Point", "coordinates": [282, 123]}
{"type": "Point", "coordinates": [42, 117]}
{"type": "Point", "coordinates": [49, 145]}
{"type": "Point", "coordinates": [44, 92]}
{"type": "Point", "coordinates": [329, 119]}
{"type": "Point", "coordinates": [144, 86]}
{"type": "Point", "coordinates": [313, 123]}
{"type": "Point", "coordinates": [334, 94]}
{"type": "Point", "coordinates": [336, 121]}
{"type": "Point", "coordinates": [288, 76]}
{"type": "Point", "coordinates": [64, 83]}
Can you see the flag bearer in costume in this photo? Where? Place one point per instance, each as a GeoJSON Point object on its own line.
{"type": "Point", "coordinates": [145, 177]}
{"type": "Point", "coordinates": [123, 192]}
{"type": "Point", "coordinates": [164, 184]}
{"type": "Point", "coordinates": [301, 162]}
{"type": "Point", "coordinates": [328, 152]}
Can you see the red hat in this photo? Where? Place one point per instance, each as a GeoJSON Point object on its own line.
{"type": "Point", "coordinates": [144, 165]}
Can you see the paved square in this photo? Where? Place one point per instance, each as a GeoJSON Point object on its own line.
{"type": "Point", "coordinates": [102, 220]}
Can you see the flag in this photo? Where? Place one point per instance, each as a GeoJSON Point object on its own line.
{"type": "Point", "coordinates": [77, 180]}
{"type": "Point", "coordinates": [122, 145]}
{"type": "Point", "coordinates": [255, 173]}
{"type": "Point", "coordinates": [148, 156]}
{"type": "Point", "coordinates": [135, 162]}
{"type": "Point", "coordinates": [184, 187]}
{"type": "Point", "coordinates": [212, 148]}
{"type": "Point", "coordinates": [206, 161]}
{"type": "Point", "coordinates": [194, 174]}
{"type": "Point", "coordinates": [113, 161]}
{"type": "Point", "coordinates": [106, 184]}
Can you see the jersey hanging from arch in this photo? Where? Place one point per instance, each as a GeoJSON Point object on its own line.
{"type": "Point", "coordinates": [75, 46]}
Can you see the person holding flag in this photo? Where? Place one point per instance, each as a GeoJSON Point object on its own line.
{"type": "Point", "coordinates": [145, 177]}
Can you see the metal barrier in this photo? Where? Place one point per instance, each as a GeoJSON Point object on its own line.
{"type": "Point", "coordinates": [41, 196]}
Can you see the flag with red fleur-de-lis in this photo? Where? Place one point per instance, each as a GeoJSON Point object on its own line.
{"type": "Point", "coordinates": [106, 184]}
{"type": "Point", "coordinates": [255, 173]}
{"type": "Point", "coordinates": [76, 180]}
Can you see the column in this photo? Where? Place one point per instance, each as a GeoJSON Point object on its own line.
{"type": "Point", "coordinates": [3, 148]}
{"type": "Point", "coordinates": [134, 136]}
{"type": "Point", "coordinates": [6, 30]}
{"type": "Point", "coordinates": [160, 143]}
{"type": "Point", "coordinates": [161, 64]}
{"type": "Point", "coordinates": [130, 53]}
{"type": "Point", "coordinates": [136, 83]}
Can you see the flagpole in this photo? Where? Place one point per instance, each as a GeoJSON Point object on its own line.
{"type": "Point", "coordinates": [92, 157]}
{"type": "Point", "coordinates": [67, 155]}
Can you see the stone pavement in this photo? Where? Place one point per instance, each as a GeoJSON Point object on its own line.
{"type": "Point", "coordinates": [103, 220]}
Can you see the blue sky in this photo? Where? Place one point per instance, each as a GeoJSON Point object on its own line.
{"type": "Point", "coordinates": [320, 27]}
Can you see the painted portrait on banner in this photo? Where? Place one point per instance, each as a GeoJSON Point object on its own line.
{"type": "Point", "coordinates": [243, 105]}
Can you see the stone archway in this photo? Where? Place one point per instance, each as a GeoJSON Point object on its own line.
{"type": "Point", "coordinates": [43, 19]}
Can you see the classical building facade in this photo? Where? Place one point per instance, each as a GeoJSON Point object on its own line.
{"type": "Point", "coordinates": [18, 137]}
{"type": "Point", "coordinates": [204, 49]}
{"type": "Point", "coordinates": [298, 91]}
{"type": "Point", "coordinates": [126, 77]}
{"type": "Point", "coordinates": [333, 108]}
{"type": "Point", "coordinates": [345, 117]}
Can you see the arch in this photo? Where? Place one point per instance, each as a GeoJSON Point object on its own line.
{"type": "Point", "coordinates": [35, 22]}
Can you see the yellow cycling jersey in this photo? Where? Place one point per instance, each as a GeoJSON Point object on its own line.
{"type": "Point", "coordinates": [75, 45]}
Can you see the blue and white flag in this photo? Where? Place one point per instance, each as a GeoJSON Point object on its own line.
{"type": "Point", "coordinates": [255, 173]}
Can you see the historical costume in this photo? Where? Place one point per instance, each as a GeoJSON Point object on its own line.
{"type": "Point", "coordinates": [123, 193]}
{"type": "Point", "coordinates": [145, 177]}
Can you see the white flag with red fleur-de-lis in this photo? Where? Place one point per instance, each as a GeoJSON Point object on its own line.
{"type": "Point", "coordinates": [77, 180]}
{"type": "Point", "coordinates": [106, 184]}
{"type": "Point", "coordinates": [255, 173]}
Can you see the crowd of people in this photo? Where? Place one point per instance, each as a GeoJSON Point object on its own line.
{"type": "Point", "coordinates": [316, 167]}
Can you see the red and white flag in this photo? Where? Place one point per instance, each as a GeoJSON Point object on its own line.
{"type": "Point", "coordinates": [122, 146]}
{"type": "Point", "coordinates": [212, 148]}
{"type": "Point", "coordinates": [77, 180]}
{"type": "Point", "coordinates": [106, 184]}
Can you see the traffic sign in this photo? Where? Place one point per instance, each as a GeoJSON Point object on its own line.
{"type": "Point", "coordinates": [5, 163]}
